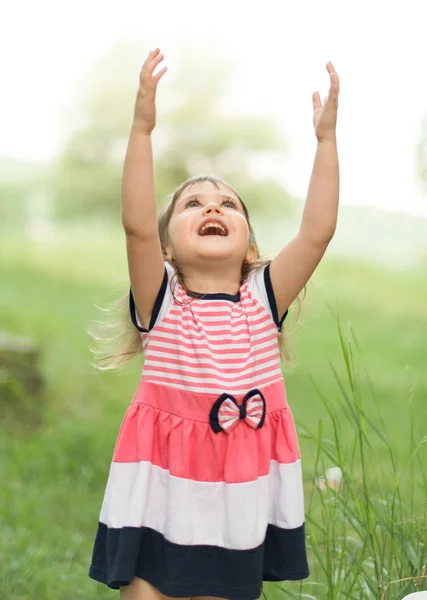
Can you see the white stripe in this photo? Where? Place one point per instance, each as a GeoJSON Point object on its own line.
{"type": "Point", "coordinates": [271, 346]}
{"type": "Point", "coordinates": [222, 306]}
{"type": "Point", "coordinates": [227, 419]}
{"type": "Point", "coordinates": [255, 404]}
{"type": "Point", "coordinates": [193, 372]}
{"type": "Point", "coordinates": [223, 379]}
{"type": "Point", "coordinates": [229, 515]}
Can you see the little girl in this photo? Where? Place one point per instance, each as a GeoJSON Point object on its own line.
{"type": "Point", "coordinates": [205, 496]}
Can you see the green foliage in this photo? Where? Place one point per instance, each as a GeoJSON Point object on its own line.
{"type": "Point", "coordinates": [365, 536]}
{"type": "Point", "coordinates": [193, 136]}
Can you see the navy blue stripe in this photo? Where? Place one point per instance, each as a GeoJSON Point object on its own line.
{"type": "Point", "coordinates": [272, 299]}
{"type": "Point", "coordinates": [156, 308]}
{"type": "Point", "coordinates": [184, 571]}
{"type": "Point", "coordinates": [217, 296]}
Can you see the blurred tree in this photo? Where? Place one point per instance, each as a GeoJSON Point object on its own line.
{"type": "Point", "coordinates": [193, 136]}
{"type": "Point", "coordinates": [23, 184]}
{"type": "Point", "coordinates": [422, 153]}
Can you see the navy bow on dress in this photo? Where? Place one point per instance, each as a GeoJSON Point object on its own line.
{"type": "Point", "coordinates": [226, 413]}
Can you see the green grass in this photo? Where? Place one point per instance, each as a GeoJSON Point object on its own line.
{"type": "Point", "coordinates": [53, 477]}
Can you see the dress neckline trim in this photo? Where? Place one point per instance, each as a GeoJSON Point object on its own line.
{"type": "Point", "coordinates": [217, 296]}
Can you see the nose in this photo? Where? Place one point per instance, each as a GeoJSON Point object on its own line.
{"type": "Point", "coordinates": [213, 207]}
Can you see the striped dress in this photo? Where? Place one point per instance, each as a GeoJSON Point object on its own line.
{"type": "Point", "coordinates": [204, 495]}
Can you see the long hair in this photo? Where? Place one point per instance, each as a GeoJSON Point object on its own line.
{"type": "Point", "coordinates": [119, 341]}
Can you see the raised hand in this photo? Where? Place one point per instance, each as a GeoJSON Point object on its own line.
{"type": "Point", "coordinates": [145, 106]}
{"type": "Point", "coordinates": [325, 115]}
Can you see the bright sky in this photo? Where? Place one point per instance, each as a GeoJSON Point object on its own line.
{"type": "Point", "coordinates": [280, 49]}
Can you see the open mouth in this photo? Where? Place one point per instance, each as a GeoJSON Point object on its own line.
{"type": "Point", "coordinates": [213, 229]}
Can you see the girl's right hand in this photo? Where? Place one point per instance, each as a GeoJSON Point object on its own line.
{"type": "Point", "coordinates": [145, 106]}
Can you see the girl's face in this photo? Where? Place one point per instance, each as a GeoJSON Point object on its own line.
{"type": "Point", "coordinates": [195, 207]}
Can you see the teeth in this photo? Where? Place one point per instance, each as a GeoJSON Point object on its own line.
{"type": "Point", "coordinates": [213, 225]}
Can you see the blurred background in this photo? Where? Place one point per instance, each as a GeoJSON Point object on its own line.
{"type": "Point", "coordinates": [236, 102]}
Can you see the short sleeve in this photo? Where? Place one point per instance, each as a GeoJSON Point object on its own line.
{"type": "Point", "coordinates": [259, 284]}
{"type": "Point", "coordinates": [162, 304]}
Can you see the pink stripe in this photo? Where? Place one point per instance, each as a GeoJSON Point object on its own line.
{"type": "Point", "coordinates": [171, 346]}
{"type": "Point", "coordinates": [241, 323]}
{"type": "Point", "coordinates": [225, 351]}
{"type": "Point", "coordinates": [213, 318]}
{"type": "Point", "coordinates": [207, 364]}
{"type": "Point", "coordinates": [258, 315]}
{"type": "Point", "coordinates": [211, 328]}
{"type": "Point", "coordinates": [188, 340]}
{"type": "Point", "coordinates": [212, 312]}
{"type": "Point", "coordinates": [173, 443]}
{"type": "Point", "coordinates": [173, 339]}
{"type": "Point", "coordinates": [175, 381]}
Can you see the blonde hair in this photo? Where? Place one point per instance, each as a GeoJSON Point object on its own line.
{"type": "Point", "coordinates": [119, 341]}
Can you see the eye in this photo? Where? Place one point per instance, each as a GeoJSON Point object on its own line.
{"type": "Point", "coordinates": [230, 201]}
{"type": "Point", "coordinates": [191, 201]}
{"type": "Point", "coordinates": [225, 201]}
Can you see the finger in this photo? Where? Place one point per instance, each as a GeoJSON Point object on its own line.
{"type": "Point", "coordinates": [335, 86]}
{"type": "Point", "coordinates": [159, 75]}
{"type": "Point", "coordinates": [335, 82]}
{"type": "Point", "coordinates": [150, 67]}
{"type": "Point", "coordinates": [147, 70]}
{"type": "Point", "coordinates": [334, 89]}
{"type": "Point", "coordinates": [153, 63]}
{"type": "Point", "coordinates": [316, 101]}
{"type": "Point", "coordinates": [151, 55]}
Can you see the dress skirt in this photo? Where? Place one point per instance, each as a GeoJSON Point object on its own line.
{"type": "Point", "coordinates": [204, 495]}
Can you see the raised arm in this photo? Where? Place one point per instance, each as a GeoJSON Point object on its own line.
{"type": "Point", "coordinates": [294, 264]}
{"type": "Point", "coordinates": [138, 204]}
{"type": "Point", "coordinates": [138, 194]}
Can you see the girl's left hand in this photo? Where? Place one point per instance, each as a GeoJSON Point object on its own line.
{"type": "Point", "coordinates": [325, 115]}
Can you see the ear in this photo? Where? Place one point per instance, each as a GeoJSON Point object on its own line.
{"type": "Point", "coordinates": [167, 253]}
{"type": "Point", "coordinates": [251, 254]}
